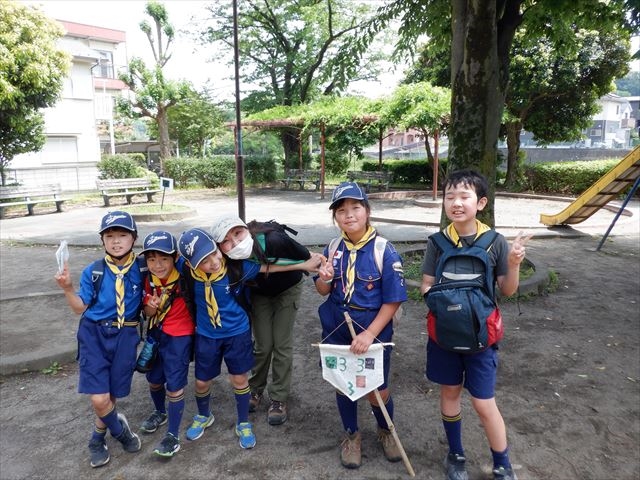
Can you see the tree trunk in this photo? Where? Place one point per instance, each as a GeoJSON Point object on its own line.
{"type": "Point", "coordinates": [291, 145]}
{"type": "Point", "coordinates": [163, 134]}
{"type": "Point", "coordinates": [513, 148]}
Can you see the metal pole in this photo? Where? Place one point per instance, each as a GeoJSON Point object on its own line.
{"type": "Point", "coordinates": [239, 159]}
{"type": "Point", "coordinates": [622, 207]}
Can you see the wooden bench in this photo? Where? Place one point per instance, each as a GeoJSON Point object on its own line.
{"type": "Point", "coordinates": [30, 196]}
{"type": "Point", "coordinates": [380, 180]}
{"type": "Point", "coordinates": [301, 176]}
{"type": "Point", "coordinates": [125, 187]}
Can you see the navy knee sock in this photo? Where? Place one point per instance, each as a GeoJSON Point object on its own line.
{"type": "Point", "coordinates": [348, 412]}
{"type": "Point", "coordinates": [176, 407]}
{"type": "Point", "coordinates": [202, 401]}
{"type": "Point", "coordinates": [112, 422]}
{"type": "Point", "coordinates": [453, 430]}
{"type": "Point", "coordinates": [243, 395]}
{"type": "Point", "coordinates": [501, 459]}
{"type": "Point", "coordinates": [377, 412]}
{"type": "Point", "coordinates": [158, 396]}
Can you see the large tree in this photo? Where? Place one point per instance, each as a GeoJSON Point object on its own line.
{"type": "Point", "coordinates": [293, 51]}
{"type": "Point", "coordinates": [479, 35]}
{"type": "Point", "coordinates": [153, 94]}
{"type": "Point", "coordinates": [32, 72]}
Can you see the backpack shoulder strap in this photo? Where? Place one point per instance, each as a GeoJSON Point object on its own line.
{"type": "Point", "coordinates": [97, 274]}
{"type": "Point", "coordinates": [485, 241]}
{"type": "Point", "coordinates": [378, 251]}
{"type": "Point", "coordinates": [333, 246]}
{"type": "Point", "coordinates": [441, 241]}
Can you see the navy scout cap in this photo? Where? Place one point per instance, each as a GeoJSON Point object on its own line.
{"type": "Point", "coordinates": [195, 245]}
{"type": "Point", "coordinates": [118, 219]}
{"type": "Point", "coordinates": [347, 190]}
{"type": "Point", "coordinates": [160, 241]}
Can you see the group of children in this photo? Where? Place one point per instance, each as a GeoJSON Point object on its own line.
{"type": "Point", "coordinates": [195, 301]}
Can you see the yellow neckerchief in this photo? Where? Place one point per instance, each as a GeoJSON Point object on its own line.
{"type": "Point", "coordinates": [120, 272]}
{"type": "Point", "coordinates": [452, 234]}
{"type": "Point", "coordinates": [166, 290]}
{"type": "Point", "coordinates": [351, 266]}
{"type": "Point", "coordinates": [207, 279]}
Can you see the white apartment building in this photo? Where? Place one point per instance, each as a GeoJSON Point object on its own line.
{"type": "Point", "coordinates": [72, 147]}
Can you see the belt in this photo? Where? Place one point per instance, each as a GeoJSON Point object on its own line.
{"type": "Point", "coordinates": [114, 323]}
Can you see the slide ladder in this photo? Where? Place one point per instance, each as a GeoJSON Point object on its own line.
{"type": "Point", "coordinates": [607, 188]}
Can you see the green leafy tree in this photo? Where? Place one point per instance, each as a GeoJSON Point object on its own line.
{"type": "Point", "coordinates": [193, 123]}
{"type": "Point", "coordinates": [32, 72]}
{"type": "Point", "coordinates": [153, 94]}
{"type": "Point", "coordinates": [293, 51]}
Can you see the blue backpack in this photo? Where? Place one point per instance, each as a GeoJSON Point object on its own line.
{"type": "Point", "coordinates": [463, 314]}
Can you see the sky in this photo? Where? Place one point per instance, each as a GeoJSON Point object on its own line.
{"type": "Point", "coordinates": [189, 61]}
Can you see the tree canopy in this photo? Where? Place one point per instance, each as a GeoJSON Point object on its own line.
{"type": "Point", "coordinates": [32, 72]}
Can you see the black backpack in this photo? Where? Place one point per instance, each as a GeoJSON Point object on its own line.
{"type": "Point", "coordinates": [463, 314]}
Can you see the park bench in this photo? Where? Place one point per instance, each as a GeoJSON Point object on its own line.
{"type": "Point", "coordinates": [301, 176]}
{"type": "Point", "coordinates": [30, 196]}
{"type": "Point", "coordinates": [380, 180]}
{"type": "Point", "coordinates": [125, 187]}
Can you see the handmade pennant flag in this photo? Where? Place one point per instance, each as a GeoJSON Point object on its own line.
{"type": "Point", "coordinates": [354, 375]}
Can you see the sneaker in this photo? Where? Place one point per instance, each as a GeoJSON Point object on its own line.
{"type": "Point", "coordinates": [351, 454]}
{"type": "Point", "coordinates": [389, 445]}
{"type": "Point", "coordinates": [152, 423]}
{"type": "Point", "coordinates": [277, 413]}
{"type": "Point", "coordinates": [255, 400]}
{"type": "Point", "coordinates": [454, 465]}
{"type": "Point", "coordinates": [502, 473]}
{"type": "Point", "coordinates": [168, 447]}
{"type": "Point", "coordinates": [244, 431]}
{"type": "Point", "coordinates": [99, 452]}
{"type": "Point", "coordinates": [129, 440]}
{"type": "Point", "coordinates": [200, 422]}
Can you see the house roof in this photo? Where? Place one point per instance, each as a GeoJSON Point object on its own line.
{"type": "Point", "coordinates": [92, 32]}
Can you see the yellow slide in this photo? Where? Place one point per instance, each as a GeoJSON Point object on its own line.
{"type": "Point", "coordinates": [607, 188]}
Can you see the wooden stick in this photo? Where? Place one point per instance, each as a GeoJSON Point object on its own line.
{"type": "Point", "coordinates": [383, 407]}
{"type": "Point", "coordinates": [386, 344]}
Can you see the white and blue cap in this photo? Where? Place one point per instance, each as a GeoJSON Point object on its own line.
{"type": "Point", "coordinates": [160, 241]}
{"type": "Point", "coordinates": [195, 245]}
{"type": "Point", "coordinates": [118, 219]}
{"type": "Point", "coordinates": [347, 190]}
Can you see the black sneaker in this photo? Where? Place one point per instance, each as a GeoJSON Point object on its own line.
{"type": "Point", "coordinates": [168, 447]}
{"type": "Point", "coordinates": [152, 423]}
{"type": "Point", "coordinates": [129, 440]}
{"type": "Point", "coordinates": [502, 473]}
{"type": "Point", "coordinates": [454, 465]}
{"type": "Point", "coordinates": [99, 452]}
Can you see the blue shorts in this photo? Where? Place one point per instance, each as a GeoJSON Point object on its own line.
{"type": "Point", "coordinates": [237, 352]}
{"type": "Point", "coordinates": [172, 365]}
{"type": "Point", "coordinates": [106, 357]}
{"type": "Point", "coordinates": [477, 370]}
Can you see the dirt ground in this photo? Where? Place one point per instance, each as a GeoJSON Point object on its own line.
{"type": "Point", "coordinates": [568, 389]}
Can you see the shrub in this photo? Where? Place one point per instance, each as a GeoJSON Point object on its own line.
{"type": "Point", "coordinates": [409, 171]}
{"type": "Point", "coordinates": [118, 166]}
{"type": "Point", "coordinates": [182, 170]}
{"type": "Point", "coordinates": [217, 172]}
{"type": "Point", "coordinates": [569, 178]}
{"type": "Point", "coordinates": [259, 168]}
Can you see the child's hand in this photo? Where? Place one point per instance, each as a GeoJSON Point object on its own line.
{"type": "Point", "coordinates": [315, 262]}
{"type": "Point", "coordinates": [517, 251]}
{"type": "Point", "coordinates": [153, 301]}
{"type": "Point", "coordinates": [64, 279]}
{"type": "Point", "coordinates": [326, 272]}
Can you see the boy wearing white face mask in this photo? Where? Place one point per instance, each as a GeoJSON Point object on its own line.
{"type": "Point", "coordinates": [274, 304]}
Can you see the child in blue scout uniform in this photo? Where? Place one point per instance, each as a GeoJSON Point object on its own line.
{"type": "Point", "coordinates": [107, 334]}
{"type": "Point", "coordinates": [465, 194]}
{"type": "Point", "coordinates": [274, 303]}
{"type": "Point", "coordinates": [354, 284]}
{"type": "Point", "coordinates": [222, 328]}
{"type": "Point", "coordinates": [172, 327]}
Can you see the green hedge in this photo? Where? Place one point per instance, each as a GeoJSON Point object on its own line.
{"type": "Point", "coordinates": [569, 178]}
{"type": "Point", "coordinates": [408, 171]}
{"type": "Point", "coordinates": [125, 166]}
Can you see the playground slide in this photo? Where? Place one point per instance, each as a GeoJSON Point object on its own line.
{"type": "Point", "coordinates": [607, 188]}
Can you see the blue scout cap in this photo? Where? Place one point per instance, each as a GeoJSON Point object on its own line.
{"type": "Point", "coordinates": [347, 190]}
{"type": "Point", "coordinates": [118, 219]}
{"type": "Point", "coordinates": [159, 241]}
{"type": "Point", "coordinates": [195, 245]}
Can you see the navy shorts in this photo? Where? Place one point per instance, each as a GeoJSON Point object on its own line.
{"type": "Point", "coordinates": [172, 364]}
{"type": "Point", "coordinates": [236, 351]}
{"type": "Point", "coordinates": [106, 357]}
{"type": "Point", "coordinates": [477, 370]}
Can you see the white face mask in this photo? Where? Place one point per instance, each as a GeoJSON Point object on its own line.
{"type": "Point", "coordinates": [242, 250]}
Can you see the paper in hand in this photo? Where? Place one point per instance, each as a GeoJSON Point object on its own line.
{"type": "Point", "coordinates": [62, 255]}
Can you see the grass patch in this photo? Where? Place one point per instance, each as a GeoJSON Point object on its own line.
{"type": "Point", "coordinates": [149, 208]}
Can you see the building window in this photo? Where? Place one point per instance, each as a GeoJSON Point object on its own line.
{"type": "Point", "coordinates": [104, 69]}
{"type": "Point", "coordinates": [596, 132]}
{"type": "Point", "coordinates": [60, 150]}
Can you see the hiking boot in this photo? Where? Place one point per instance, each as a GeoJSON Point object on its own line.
{"type": "Point", "coordinates": [277, 413]}
{"type": "Point", "coordinates": [99, 452]}
{"type": "Point", "coordinates": [152, 423]}
{"type": "Point", "coordinates": [454, 465]}
{"type": "Point", "coordinates": [200, 422]}
{"type": "Point", "coordinates": [255, 400]}
{"type": "Point", "coordinates": [129, 440]}
{"type": "Point", "coordinates": [244, 431]}
{"type": "Point", "coordinates": [502, 473]}
{"type": "Point", "coordinates": [168, 447]}
{"type": "Point", "coordinates": [351, 454]}
{"type": "Point", "coordinates": [389, 445]}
